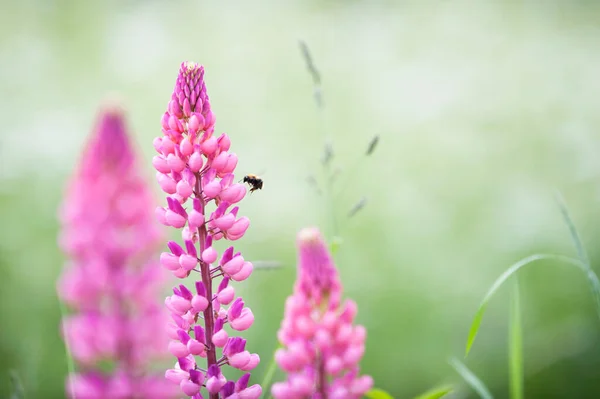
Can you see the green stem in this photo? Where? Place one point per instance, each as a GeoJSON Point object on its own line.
{"type": "Point", "coordinates": [515, 339]}
{"type": "Point", "coordinates": [266, 382]}
{"type": "Point", "coordinates": [471, 379]}
{"type": "Point", "coordinates": [70, 363]}
{"type": "Point", "coordinates": [328, 190]}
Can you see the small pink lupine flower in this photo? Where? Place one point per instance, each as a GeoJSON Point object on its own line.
{"type": "Point", "coordinates": [322, 347]}
{"type": "Point", "coordinates": [195, 169]}
{"type": "Point", "coordinates": [111, 281]}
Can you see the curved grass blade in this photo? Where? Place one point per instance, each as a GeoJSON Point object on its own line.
{"type": "Point", "coordinates": [357, 207]}
{"type": "Point", "coordinates": [266, 382]}
{"type": "Point", "coordinates": [314, 72]}
{"type": "Point", "coordinates": [328, 153]}
{"type": "Point", "coordinates": [17, 387]}
{"type": "Point", "coordinates": [372, 145]}
{"type": "Point", "coordinates": [470, 378]}
{"type": "Point", "coordinates": [581, 253]}
{"type": "Point", "coordinates": [505, 276]}
{"type": "Point", "coordinates": [515, 338]}
{"type": "Point", "coordinates": [70, 362]}
{"type": "Point", "coordinates": [436, 393]}
{"type": "Point", "coordinates": [595, 287]}
{"type": "Point", "coordinates": [376, 393]}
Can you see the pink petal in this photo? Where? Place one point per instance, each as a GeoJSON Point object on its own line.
{"type": "Point", "coordinates": [196, 348]}
{"type": "Point", "coordinates": [176, 163]}
{"type": "Point", "coordinates": [220, 338]}
{"type": "Point", "coordinates": [226, 295]}
{"type": "Point", "coordinates": [234, 265]}
{"type": "Point", "coordinates": [169, 261]}
{"type": "Point", "coordinates": [209, 146]}
{"type": "Point", "coordinates": [199, 303]}
{"type": "Point", "coordinates": [239, 359]}
{"type": "Point", "coordinates": [195, 162]}
{"type": "Point", "coordinates": [189, 388]}
{"type": "Point", "coordinates": [178, 349]}
{"type": "Point", "coordinates": [176, 375]}
{"type": "Point", "coordinates": [220, 162]}
{"type": "Point", "coordinates": [361, 385]}
{"type": "Point", "coordinates": [188, 262]}
{"type": "Point", "coordinates": [212, 189]}
{"type": "Point", "coordinates": [160, 164]}
{"type": "Point", "coordinates": [244, 321]}
{"type": "Point", "coordinates": [254, 360]}
{"type": "Point", "coordinates": [209, 255]}
{"type": "Point", "coordinates": [174, 219]}
{"type": "Point", "coordinates": [195, 218]}
{"type": "Point", "coordinates": [252, 392]}
{"type": "Point", "coordinates": [186, 147]}
{"type": "Point", "coordinates": [213, 385]}
{"type": "Point", "coordinates": [225, 222]}
{"type": "Point", "coordinates": [184, 189]}
{"type": "Point", "coordinates": [166, 183]}
{"type": "Point", "coordinates": [244, 272]}
{"type": "Point", "coordinates": [178, 304]}
{"type": "Point", "coordinates": [239, 227]}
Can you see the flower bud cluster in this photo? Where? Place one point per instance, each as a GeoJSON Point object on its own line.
{"type": "Point", "coordinates": [112, 283]}
{"type": "Point", "coordinates": [322, 346]}
{"type": "Point", "coordinates": [195, 168]}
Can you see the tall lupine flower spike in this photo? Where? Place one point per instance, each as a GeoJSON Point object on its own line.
{"type": "Point", "coordinates": [112, 282]}
{"type": "Point", "coordinates": [322, 347]}
{"type": "Point", "coordinates": [196, 168]}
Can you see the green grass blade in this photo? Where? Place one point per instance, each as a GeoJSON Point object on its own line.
{"type": "Point", "coordinates": [436, 393]}
{"type": "Point", "coordinates": [17, 387]}
{"type": "Point", "coordinates": [583, 256]}
{"type": "Point", "coordinates": [70, 363]}
{"type": "Point", "coordinates": [515, 338]}
{"type": "Point", "coordinates": [335, 245]}
{"type": "Point", "coordinates": [595, 287]}
{"type": "Point", "coordinates": [500, 280]}
{"type": "Point", "coordinates": [581, 253]}
{"type": "Point", "coordinates": [266, 382]}
{"type": "Point", "coordinates": [471, 379]}
{"type": "Point", "coordinates": [376, 393]}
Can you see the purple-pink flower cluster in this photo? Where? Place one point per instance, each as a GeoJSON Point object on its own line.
{"type": "Point", "coordinates": [195, 169]}
{"type": "Point", "coordinates": [322, 347]}
{"type": "Point", "coordinates": [111, 281]}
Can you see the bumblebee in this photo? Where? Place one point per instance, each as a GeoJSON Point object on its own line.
{"type": "Point", "coordinates": [254, 181]}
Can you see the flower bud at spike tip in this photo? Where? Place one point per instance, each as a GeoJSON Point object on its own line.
{"type": "Point", "coordinates": [195, 169]}
{"type": "Point", "coordinates": [112, 241]}
{"type": "Point", "coordinates": [321, 348]}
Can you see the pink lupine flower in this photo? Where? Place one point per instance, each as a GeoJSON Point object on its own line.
{"type": "Point", "coordinates": [112, 282]}
{"type": "Point", "coordinates": [322, 347]}
{"type": "Point", "coordinates": [195, 169]}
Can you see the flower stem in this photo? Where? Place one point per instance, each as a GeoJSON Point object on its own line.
{"type": "Point", "coordinates": [321, 382]}
{"type": "Point", "coordinates": [211, 353]}
{"type": "Point", "coordinates": [328, 188]}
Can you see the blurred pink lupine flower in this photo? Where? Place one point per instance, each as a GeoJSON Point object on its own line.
{"type": "Point", "coordinates": [322, 348]}
{"type": "Point", "coordinates": [196, 168]}
{"type": "Point", "coordinates": [111, 281]}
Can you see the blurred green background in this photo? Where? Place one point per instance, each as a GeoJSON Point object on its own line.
{"type": "Point", "coordinates": [483, 109]}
